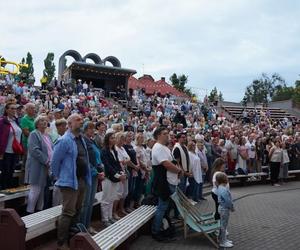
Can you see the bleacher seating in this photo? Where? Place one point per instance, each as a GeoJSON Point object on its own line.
{"type": "Point", "coordinates": [275, 113]}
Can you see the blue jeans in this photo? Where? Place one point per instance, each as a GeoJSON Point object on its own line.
{"type": "Point", "coordinates": [87, 208]}
{"type": "Point", "coordinates": [131, 188]}
{"type": "Point", "coordinates": [200, 190]}
{"type": "Point", "coordinates": [224, 217]}
{"type": "Point", "coordinates": [182, 184]}
{"type": "Point", "coordinates": [194, 190]}
{"type": "Point", "coordinates": [138, 187]}
{"type": "Point", "coordinates": [160, 212]}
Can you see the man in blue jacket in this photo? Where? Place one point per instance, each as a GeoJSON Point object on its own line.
{"type": "Point", "coordinates": [70, 166]}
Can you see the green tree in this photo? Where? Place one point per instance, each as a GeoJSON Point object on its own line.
{"type": "Point", "coordinates": [283, 92]}
{"type": "Point", "coordinates": [49, 70]}
{"type": "Point", "coordinates": [179, 82]}
{"type": "Point", "coordinates": [182, 82]}
{"type": "Point", "coordinates": [27, 73]}
{"type": "Point", "coordinates": [174, 80]}
{"type": "Point", "coordinates": [262, 89]}
{"type": "Point", "coordinates": [221, 96]}
{"type": "Point", "coordinates": [213, 95]}
{"type": "Point", "coordinates": [296, 94]}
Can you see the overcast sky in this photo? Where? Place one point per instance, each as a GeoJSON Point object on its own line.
{"type": "Point", "coordinates": [222, 43]}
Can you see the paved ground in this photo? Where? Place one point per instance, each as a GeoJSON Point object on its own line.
{"type": "Point", "coordinates": [269, 220]}
{"type": "Point", "coordinates": [266, 217]}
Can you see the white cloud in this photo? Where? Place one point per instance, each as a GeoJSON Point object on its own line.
{"type": "Point", "coordinates": [222, 43]}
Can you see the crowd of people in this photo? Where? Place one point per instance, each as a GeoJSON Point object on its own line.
{"type": "Point", "coordinates": [81, 142]}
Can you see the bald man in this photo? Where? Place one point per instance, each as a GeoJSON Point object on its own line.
{"type": "Point", "coordinates": [70, 167]}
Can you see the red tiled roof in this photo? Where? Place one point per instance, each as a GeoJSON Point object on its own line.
{"type": "Point", "coordinates": [147, 82]}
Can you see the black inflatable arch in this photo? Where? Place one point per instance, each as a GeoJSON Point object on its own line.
{"type": "Point", "coordinates": [73, 53]}
{"type": "Point", "coordinates": [113, 60]}
{"type": "Point", "coordinates": [96, 59]}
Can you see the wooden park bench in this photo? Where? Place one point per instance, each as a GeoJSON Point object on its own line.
{"type": "Point", "coordinates": [201, 223]}
{"type": "Point", "coordinates": [114, 235]}
{"type": "Point", "coordinates": [15, 231]}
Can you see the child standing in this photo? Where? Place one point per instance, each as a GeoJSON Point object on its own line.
{"type": "Point", "coordinates": [225, 206]}
{"type": "Point", "coordinates": [218, 167]}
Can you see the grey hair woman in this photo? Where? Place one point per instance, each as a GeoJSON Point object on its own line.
{"type": "Point", "coordinates": [39, 156]}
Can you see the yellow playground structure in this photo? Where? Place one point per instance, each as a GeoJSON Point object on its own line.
{"type": "Point", "coordinates": [16, 69]}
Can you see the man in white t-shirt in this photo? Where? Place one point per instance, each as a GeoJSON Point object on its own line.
{"type": "Point", "coordinates": [85, 87]}
{"type": "Point", "coordinates": [166, 177]}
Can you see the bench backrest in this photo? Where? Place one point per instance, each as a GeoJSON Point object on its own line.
{"type": "Point", "coordinates": [191, 216]}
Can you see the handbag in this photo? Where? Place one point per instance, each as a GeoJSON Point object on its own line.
{"type": "Point", "coordinates": [16, 146]}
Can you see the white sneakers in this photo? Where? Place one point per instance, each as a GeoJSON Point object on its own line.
{"type": "Point", "coordinates": [226, 244]}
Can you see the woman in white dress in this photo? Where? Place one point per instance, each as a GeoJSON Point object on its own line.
{"type": "Point", "coordinates": [113, 175]}
{"type": "Point", "coordinates": [195, 168]}
{"type": "Point", "coordinates": [124, 160]}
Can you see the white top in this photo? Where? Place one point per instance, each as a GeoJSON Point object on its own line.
{"type": "Point", "coordinates": [232, 149]}
{"type": "Point", "coordinates": [285, 156]}
{"type": "Point", "coordinates": [195, 167]}
{"type": "Point", "coordinates": [122, 155]}
{"type": "Point", "coordinates": [251, 149]}
{"type": "Point", "coordinates": [277, 155]}
{"type": "Point", "coordinates": [85, 86]}
{"type": "Point", "coordinates": [214, 189]}
{"type": "Point", "coordinates": [161, 153]}
{"type": "Point", "coordinates": [141, 154]}
{"type": "Point", "coordinates": [159, 113]}
{"type": "Point", "coordinates": [18, 132]}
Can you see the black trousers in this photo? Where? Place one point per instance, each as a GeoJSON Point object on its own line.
{"type": "Point", "coordinates": [274, 171]}
{"type": "Point", "coordinates": [215, 198]}
{"type": "Point", "coordinates": [7, 167]}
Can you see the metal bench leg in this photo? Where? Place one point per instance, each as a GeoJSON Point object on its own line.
{"type": "Point", "coordinates": [83, 241]}
{"type": "Point", "coordinates": [12, 230]}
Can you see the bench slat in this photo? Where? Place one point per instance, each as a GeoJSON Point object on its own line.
{"type": "Point", "coordinates": [135, 221]}
{"type": "Point", "coordinates": [120, 222]}
{"type": "Point", "coordinates": [114, 235]}
{"type": "Point", "coordinates": [45, 221]}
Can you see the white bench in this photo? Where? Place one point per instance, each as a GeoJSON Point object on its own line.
{"type": "Point", "coordinates": [7, 197]}
{"type": "Point", "coordinates": [45, 221]}
{"type": "Point", "coordinates": [252, 176]}
{"type": "Point", "coordinates": [30, 226]}
{"type": "Point", "coordinates": [41, 222]}
{"type": "Point", "coordinates": [114, 235]}
{"type": "Point", "coordinates": [247, 175]}
{"type": "Point", "coordinates": [297, 171]}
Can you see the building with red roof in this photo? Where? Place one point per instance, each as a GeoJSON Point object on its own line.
{"type": "Point", "coordinates": [150, 86]}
